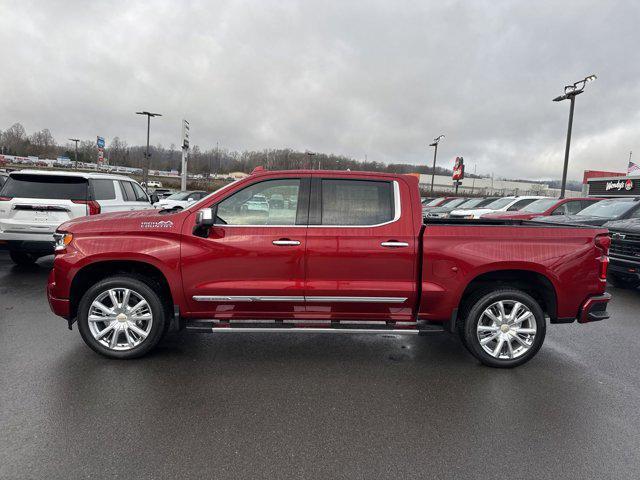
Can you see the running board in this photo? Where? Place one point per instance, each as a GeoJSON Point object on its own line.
{"type": "Point", "coordinates": [216, 326]}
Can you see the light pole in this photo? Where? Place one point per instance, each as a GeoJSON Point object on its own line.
{"type": "Point", "coordinates": [435, 143]}
{"type": "Point", "coordinates": [146, 164]}
{"type": "Point", "coordinates": [570, 93]}
{"type": "Point", "coordinates": [76, 140]}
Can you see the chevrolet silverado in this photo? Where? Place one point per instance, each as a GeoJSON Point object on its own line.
{"type": "Point", "coordinates": [340, 252]}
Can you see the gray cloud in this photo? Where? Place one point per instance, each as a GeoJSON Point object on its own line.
{"type": "Point", "coordinates": [378, 78]}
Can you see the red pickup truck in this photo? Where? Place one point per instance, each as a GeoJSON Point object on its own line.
{"type": "Point", "coordinates": [324, 252]}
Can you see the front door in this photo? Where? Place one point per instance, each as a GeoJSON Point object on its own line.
{"type": "Point", "coordinates": [252, 264]}
{"type": "Point", "coordinates": [361, 252]}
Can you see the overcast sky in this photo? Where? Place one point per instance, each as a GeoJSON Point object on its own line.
{"type": "Point", "coordinates": [375, 78]}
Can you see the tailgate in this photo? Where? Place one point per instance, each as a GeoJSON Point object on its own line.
{"type": "Point", "coordinates": [39, 203]}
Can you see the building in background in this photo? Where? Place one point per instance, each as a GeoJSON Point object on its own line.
{"type": "Point", "coordinates": [595, 174]}
{"type": "Point", "coordinates": [610, 184]}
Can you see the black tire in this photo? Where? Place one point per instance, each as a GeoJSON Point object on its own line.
{"type": "Point", "coordinates": [22, 258]}
{"type": "Point", "coordinates": [621, 281]}
{"type": "Point", "coordinates": [469, 334]}
{"type": "Point", "coordinates": [138, 285]}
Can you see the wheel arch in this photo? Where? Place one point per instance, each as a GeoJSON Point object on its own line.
{"type": "Point", "coordinates": [93, 272]}
{"type": "Point", "coordinates": [536, 284]}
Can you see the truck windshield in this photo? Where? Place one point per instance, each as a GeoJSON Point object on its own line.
{"type": "Point", "coordinates": [435, 201]}
{"type": "Point", "coordinates": [476, 202]}
{"type": "Point", "coordinates": [540, 206]}
{"type": "Point", "coordinates": [456, 202]}
{"type": "Point", "coordinates": [501, 202]}
{"type": "Point", "coordinates": [608, 208]}
{"type": "Point", "coordinates": [55, 187]}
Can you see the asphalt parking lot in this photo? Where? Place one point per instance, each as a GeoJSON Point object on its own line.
{"type": "Point", "coordinates": [312, 406]}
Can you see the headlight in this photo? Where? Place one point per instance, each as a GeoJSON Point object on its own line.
{"type": "Point", "coordinates": [62, 240]}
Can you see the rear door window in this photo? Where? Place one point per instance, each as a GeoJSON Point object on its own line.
{"type": "Point", "coordinates": [103, 189]}
{"type": "Point", "coordinates": [356, 202]}
{"type": "Point", "coordinates": [55, 187]}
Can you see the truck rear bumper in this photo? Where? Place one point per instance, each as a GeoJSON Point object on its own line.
{"type": "Point", "coordinates": [594, 309]}
{"type": "Point", "coordinates": [43, 247]}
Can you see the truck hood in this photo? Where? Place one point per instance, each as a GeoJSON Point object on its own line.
{"type": "Point", "coordinates": [631, 225]}
{"type": "Point", "coordinates": [573, 220]}
{"type": "Point", "coordinates": [123, 222]}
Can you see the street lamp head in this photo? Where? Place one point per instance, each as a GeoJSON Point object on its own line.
{"type": "Point", "coordinates": [150, 114]}
{"type": "Point", "coordinates": [436, 140]}
{"type": "Point", "coordinates": [590, 78]}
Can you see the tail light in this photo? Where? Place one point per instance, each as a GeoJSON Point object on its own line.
{"type": "Point", "coordinates": [5, 199]}
{"type": "Point", "coordinates": [92, 205]}
{"type": "Point", "coordinates": [603, 242]}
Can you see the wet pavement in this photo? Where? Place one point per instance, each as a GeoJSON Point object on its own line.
{"type": "Point", "coordinates": [283, 406]}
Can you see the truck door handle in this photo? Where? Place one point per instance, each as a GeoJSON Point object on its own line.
{"type": "Point", "coordinates": [285, 242]}
{"type": "Point", "coordinates": [394, 244]}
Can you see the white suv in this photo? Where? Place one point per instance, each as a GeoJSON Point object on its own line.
{"type": "Point", "coordinates": [34, 203]}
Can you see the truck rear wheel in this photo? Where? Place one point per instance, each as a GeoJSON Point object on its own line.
{"type": "Point", "coordinates": [121, 317]}
{"type": "Point", "coordinates": [504, 328]}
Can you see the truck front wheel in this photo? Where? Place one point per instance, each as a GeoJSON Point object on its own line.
{"type": "Point", "coordinates": [121, 317]}
{"type": "Point", "coordinates": [504, 328]}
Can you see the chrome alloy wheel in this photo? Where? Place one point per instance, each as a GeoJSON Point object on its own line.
{"type": "Point", "coordinates": [506, 329]}
{"type": "Point", "coordinates": [120, 319]}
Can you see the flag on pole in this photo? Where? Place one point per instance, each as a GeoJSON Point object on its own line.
{"type": "Point", "coordinates": [633, 168]}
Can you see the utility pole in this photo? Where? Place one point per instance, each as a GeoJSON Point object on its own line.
{"type": "Point", "coordinates": [147, 154]}
{"type": "Point", "coordinates": [75, 140]}
{"type": "Point", "coordinates": [434, 144]}
{"type": "Point", "coordinates": [185, 151]}
{"type": "Point", "coordinates": [570, 93]}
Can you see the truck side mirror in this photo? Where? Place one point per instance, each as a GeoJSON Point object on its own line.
{"type": "Point", "coordinates": [207, 217]}
{"type": "Point", "coordinates": [154, 198]}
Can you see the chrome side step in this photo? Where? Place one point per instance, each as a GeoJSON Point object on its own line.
{"type": "Point", "coordinates": [270, 326]}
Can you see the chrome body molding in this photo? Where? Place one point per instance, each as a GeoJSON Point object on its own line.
{"type": "Point", "coordinates": [240, 298]}
{"type": "Point", "coordinates": [262, 298]}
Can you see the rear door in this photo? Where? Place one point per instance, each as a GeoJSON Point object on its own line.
{"type": "Point", "coordinates": [361, 250]}
{"type": "Point", "coordinates": [38, 203]}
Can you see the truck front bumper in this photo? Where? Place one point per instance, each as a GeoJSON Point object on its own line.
{"type": "Point", "coordinates": [59, 306]}
{"type": "Point", "coordinates": [626, 268]}
{"type": "Point", "coordinates": [594, 309]}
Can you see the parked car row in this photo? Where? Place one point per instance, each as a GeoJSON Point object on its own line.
{"type": "Point", "coordinates": [620, 215]}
